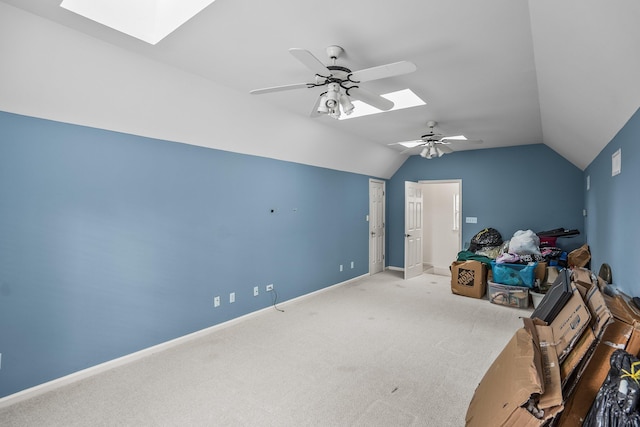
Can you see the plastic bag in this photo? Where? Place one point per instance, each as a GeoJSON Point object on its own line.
{"type": "Point", "coordinates": [489, 251]}
{"type": "Point", "coordinates": [525, 242]}
{"type": "Point", "coordinates": [485, 238]}
{"type": "Point", "coordinates": [616, 404]}
{"type": "Point", "coordinates": [508, 258]}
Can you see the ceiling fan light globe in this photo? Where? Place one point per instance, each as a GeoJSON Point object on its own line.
{"type": "Point", "coordinates": [322, 106]}
{"type": "Point", "coordinates": [346, 104]}
{"type": "Point", "coordinates": [424, 152]}
{"type": "Point", "coordinates": [333, 95]}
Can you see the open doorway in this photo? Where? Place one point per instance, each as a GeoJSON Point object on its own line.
{"type": "Point", "coordinates": [442, 216]}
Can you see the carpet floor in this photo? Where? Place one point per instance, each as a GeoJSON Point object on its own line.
{"type": "Point", "coordinates": [378, 351]}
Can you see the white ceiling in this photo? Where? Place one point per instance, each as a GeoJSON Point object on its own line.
{"type": "Point", "coordinates": [509, 72]}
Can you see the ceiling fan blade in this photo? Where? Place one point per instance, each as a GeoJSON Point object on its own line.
{"type": "Point", "coordinates": [279, 88]}
{"type": "Point", "coordinates": [461, 141]}
{"type": "Point", "coordinates": [416, 142]}
{"type": "Point", "coordinates": [314, 112]}
{"type": "Point", "coordinates": [383, 71]}
{"type": "Point", "coordinates": [372, 99]}
{"type": "Point", "coordinates": [412, 148]}
{"type": "Point", "coordinates": [310, 61]}
{"type": "Point", "coordinates": [445, 149]}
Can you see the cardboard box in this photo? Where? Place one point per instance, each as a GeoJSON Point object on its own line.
{"type": "Point", "coordinates": [586, 332]}
{"type": "Point", "coordinates": [569, 324]}
{"type": "Point", "coordinates": [600, 312]}
{"type": "Point", "coordinates": [551, 275]}
{"type": "Point", "coordinates": [622, 309]}
{"type": "Point", "coordinates": [579, 257]}
{"type": "Point", "coordinates": [600, 317]}
{"type": "Point", "coordinates": [511, 296]}
{"type": "Point", "coordinates": [574, 358]}
{"type": "Point", "coordinates": [617, 326]}
{"type": "Point", "coordinates": [547, 367]}
{"type": "Point", "coordinates": [582, 276]}
{"type": "Point", "coordinates": [526, 368]}
{"type": "Point", "coordinates": [541, 272]}
{"type": "Point", "coordinates": [469, 278]}
{"type": "Point", "coordinates": [616, 335]}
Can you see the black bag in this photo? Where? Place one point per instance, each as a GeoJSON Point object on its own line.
{"type": "Point", "coordinates": [486, 238]}
{"type": "Point", "coordinates": [616, 404]}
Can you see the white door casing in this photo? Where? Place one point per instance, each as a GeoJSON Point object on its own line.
{"type": "Point", "coordinates": [376, 226]}
{"type": "Point", "coordinates": [412, 230]}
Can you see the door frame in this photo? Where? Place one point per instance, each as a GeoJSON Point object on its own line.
{"type": "Point", "coordinates": [458, 219]}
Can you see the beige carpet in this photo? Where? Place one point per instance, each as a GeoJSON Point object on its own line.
{"type": "Point", "coordinates": [379, 351]}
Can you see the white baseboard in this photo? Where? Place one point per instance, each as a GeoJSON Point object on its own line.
{"type": "Point", "coordinates": [132, 357]}
{"type": "Point", "coordinates": [442, 271]}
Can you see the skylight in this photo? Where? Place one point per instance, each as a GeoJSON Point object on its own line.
{"type": "Point", "coordinates": [402, 99]}
{"type": "Point", "coordinates": [147, 20]}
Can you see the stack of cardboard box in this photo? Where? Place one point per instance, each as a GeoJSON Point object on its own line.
{"type": "Point", "coordinates": [549, 374]}
{"type": "Point", "coordinates": [473, 278]}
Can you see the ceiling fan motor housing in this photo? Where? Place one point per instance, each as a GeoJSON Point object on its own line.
{"type": "Point", "coordinates": [334, 51]}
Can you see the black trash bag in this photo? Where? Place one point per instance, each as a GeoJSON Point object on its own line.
{"type": "Point", "coordinates": [616, 404]}
{"type": "Point", "coordinates": [485, 238]}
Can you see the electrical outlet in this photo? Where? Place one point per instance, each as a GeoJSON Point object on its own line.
{"type": "Point", "coordinates": [256, 291]}
{"type": "Point", "coordinates": [341, 267]}
{"type": "Point", "coordinates": [0, 360]}
{"type": "Point", "coordinates": [352, 264]}
{"type": "Point", "coordinates": [270, 287]}
{"type": "Point", "coordinates": [232, 297]}
{"type": "Point", "coordinates": [216, 301]}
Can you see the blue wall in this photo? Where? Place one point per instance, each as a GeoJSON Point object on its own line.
{"type": "Point", "coordinates": [509, 189]}
{"type": "Point", "coordinates": [613, 208]}
{"type": "Point", "coordinates": [111, 243]}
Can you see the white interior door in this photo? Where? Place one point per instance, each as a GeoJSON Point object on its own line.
{"type": "Point", "coordinates": [412, 230]}
{"type": "Point", "coordinates": [376, 226]}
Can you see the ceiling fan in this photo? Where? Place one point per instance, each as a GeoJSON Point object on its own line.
{"type": "Point", "coordinates": [341, 83]}
{"type": "Point", "coordinates": [433, 144]}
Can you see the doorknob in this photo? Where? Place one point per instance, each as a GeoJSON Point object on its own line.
{"type": "Point", "coordinates": [373, 233]}
{"type": "Point", "coordinates": [407, 235]}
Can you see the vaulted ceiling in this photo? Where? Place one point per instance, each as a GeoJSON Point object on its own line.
{"type": "Point", "coordinates": [508, 72]}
